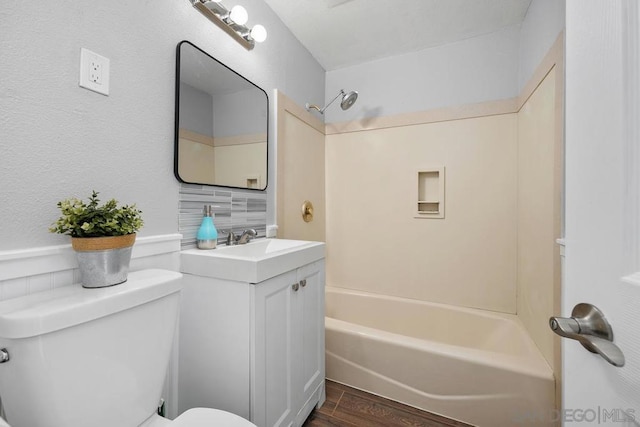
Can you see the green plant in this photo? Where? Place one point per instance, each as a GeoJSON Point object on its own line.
{"type": "Point", "coordinates": [90, 220]}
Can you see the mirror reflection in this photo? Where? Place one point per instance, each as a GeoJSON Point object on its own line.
{"type": "Point", "coordinates": [221, 124]}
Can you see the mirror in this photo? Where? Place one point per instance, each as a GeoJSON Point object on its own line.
{"type": "Point", "coordinates": [221, 124]}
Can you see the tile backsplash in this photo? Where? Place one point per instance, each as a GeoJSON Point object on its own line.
{"type": "Point", "coordinates": [234, 210]}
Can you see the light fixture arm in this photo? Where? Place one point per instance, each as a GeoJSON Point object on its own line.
{"type": "Point", "coordinates": [217, 8]}
{"type": "Point", "coordinates": [321, 110]}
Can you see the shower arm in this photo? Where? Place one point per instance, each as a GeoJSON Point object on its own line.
{"type": "Point", "coordinates": [321, 111]}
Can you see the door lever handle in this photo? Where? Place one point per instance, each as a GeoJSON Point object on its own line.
{"type": "Point", "coordinates": [588, 326]}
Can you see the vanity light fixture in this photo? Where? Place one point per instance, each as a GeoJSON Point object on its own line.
{"type": "Point", "coordinates": [232, 21]}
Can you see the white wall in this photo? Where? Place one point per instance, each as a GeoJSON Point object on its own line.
{"type": "Point", "coordinates": [545, 19]}
{"type": "Point", "coordinates": [475, 70]}
{"type": "Point", "coordinates": [58, 140]}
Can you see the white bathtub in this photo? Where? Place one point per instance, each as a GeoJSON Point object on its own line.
{"type": "Point", "coordinates": [469, 365]}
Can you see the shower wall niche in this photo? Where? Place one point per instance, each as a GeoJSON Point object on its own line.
{"type": "Point", "coordinates": [430, 193]}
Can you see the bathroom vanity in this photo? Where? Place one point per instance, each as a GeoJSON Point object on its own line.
{"type": "Point", "coordinates": [252, 330]}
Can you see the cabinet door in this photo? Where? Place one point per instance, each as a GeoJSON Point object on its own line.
{"type": "Point", "coordinates": [272, 357]}
{"type": "Point", "coordinates": [309, 333]}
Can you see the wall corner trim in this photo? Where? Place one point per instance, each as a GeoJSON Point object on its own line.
{"type": "Point", "coordinates": [469, 111]}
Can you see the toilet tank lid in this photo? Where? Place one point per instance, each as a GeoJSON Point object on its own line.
{"type": "Point", "coordinates": [60, 308]}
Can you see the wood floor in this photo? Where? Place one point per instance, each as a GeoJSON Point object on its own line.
{"type": "Point", "coordinates": [348, 407]}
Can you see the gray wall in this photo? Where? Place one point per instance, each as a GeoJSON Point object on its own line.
{"type": "Point", "coordinates": [196, 110]}
{"type": "Point", "coordinates": [239, 113]}
{"type": "Point", "coordinates": [474, 70]}
{"type": "Point", "coordinates": [58, 140]}
{"type": "Point", "coordinates": [544, 21]}
{"type": "Point", "coordinates": [486, 68]}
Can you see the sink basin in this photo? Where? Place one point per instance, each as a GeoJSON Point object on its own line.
{"type": "Point", "coordinates": [254, 262]}
{"type": "Point", "coordinates": [261, 248]}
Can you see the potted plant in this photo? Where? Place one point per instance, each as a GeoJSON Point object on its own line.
{"type": "Point", "coordinates": [102, 237]}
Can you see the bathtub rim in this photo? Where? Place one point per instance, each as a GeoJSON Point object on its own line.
{"type": "Point", "coordinates": [532, 364]}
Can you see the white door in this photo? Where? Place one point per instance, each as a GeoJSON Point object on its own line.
{"type": "Point", "coordinates": [602, 206]}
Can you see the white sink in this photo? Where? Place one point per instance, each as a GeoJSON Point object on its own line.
{"type": "Point", "coordinates": [261, 248]}
{"type": "Point", "coordinates": [254, 262]}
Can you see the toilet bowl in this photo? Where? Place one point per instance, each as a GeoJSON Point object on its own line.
{"type": "Point", "coordinates": [79, 357]}
{"type": "Point", "coordinates": [199, 417]}
{"type": "Point", "coordinates": [196, 417]}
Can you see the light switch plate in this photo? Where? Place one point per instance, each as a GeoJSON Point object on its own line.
{"type": "Point", "coordinates": [94, 71]}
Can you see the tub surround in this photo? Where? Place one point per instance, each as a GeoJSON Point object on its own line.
{"type": "Point", "coordinates": [301, 170]}
{"type": "Point", "coordinates": [466, 259]}
{"type": "Point", "coordinates": [539, 201]}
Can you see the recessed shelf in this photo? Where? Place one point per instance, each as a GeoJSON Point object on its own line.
{"type": "Point", "coordinates": [428, 208]}
{"type": "Point", "coordinates": [253, 181]}
{"type": "Point", "coordinates": [430, 193]}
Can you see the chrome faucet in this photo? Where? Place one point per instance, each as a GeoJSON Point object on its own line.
{"type": "Point", "coordinates": [246, 236]}
{"type": "Point", "coordinates": [231, 238]}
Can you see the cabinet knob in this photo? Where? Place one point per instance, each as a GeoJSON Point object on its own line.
{"type": "Point", "coordinates": [295, 287]}
{"type": "Point", "coordinates": [303, 282]}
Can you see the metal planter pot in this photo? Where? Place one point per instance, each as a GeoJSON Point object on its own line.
{"type": "Point", "coordinates": [103, 261]}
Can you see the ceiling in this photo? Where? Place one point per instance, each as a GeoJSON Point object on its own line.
{"type": "Point", "coordinates": [340, 33]}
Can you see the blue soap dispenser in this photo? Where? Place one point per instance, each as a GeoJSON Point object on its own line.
{"type": "Point", "coordinates": [207, 237]}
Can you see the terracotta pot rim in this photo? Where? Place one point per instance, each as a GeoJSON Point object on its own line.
{"type": "Point", "coordinates": [87, 244]}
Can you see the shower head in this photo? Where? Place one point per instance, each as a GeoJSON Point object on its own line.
{"type": "Point", "coordinates": [348, 99]}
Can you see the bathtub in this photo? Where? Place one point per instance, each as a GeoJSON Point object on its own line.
{"type": "Point", "coordinates": [470, 365]}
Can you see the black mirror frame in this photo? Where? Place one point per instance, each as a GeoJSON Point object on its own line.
{"type": "Point", "coordinates": [177, 122]}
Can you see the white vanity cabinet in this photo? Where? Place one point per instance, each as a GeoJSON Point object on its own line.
{"type": "Point", "coordinates": [254, 349]}
{"type": "Point", "coordinates": [288, 351]}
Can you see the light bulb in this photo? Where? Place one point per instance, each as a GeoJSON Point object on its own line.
{"type": "Point", "coordinates": [259, 33]}
{"type": "Point", "coordinates": [239, 15]}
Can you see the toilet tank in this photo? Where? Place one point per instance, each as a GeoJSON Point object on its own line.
{"type": "Point", "coordinates": [88, 357]}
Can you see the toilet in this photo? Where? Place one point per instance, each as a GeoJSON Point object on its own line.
{"type": "Point", "coordinates": [94, 357]}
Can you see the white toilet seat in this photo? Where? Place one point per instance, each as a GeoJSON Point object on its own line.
{"type": "Point", "coordinates": [196, 417]}
{"type": "Point", "coordinates": [200, 417]}
{"type": "Point", "coordinates": [207, 417]}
